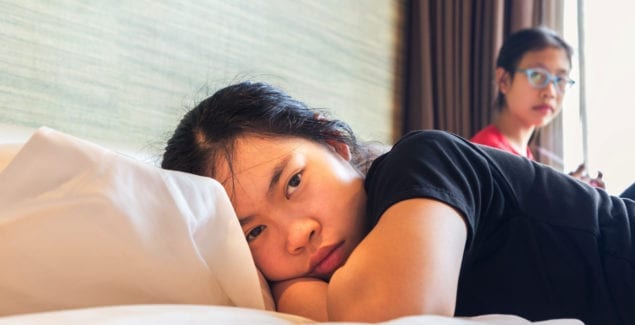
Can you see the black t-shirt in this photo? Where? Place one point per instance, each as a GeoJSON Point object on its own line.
{"type": "Point", "coordinates": [540, 245]}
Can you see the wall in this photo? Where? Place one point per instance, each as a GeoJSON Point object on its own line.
{"type": "Point", "coordinates": [123, 72]}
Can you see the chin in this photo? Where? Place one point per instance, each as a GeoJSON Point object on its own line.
{"type": "Point", "coordinates": [544, 122]}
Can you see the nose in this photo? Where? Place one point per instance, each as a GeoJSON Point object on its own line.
{"type": "Point", "coordinates": [301, 233]}
{"type": "Point", "coordinates": [550, 91]}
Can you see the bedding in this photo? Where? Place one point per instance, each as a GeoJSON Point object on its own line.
{"type": "Point", "coordinates": [82, 226]}
{"type": "Point", "coordinates": [88, 235]}
{"type": "Point", "coordinates": [7, 152]}
{"type": "Point", "coordinates": [196, 314]}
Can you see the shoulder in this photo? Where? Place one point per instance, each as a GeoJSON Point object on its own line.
{"type": "Point", "coordinates": [433, 164]}
{"type": "Point", "coordinates": [426, 148]}
{"type": "Point", "coordinates": [431, 143]}
{"type": "Point", "coordinates": [489, 135]}
{"type": "Point", "coordinates": [428, 137]}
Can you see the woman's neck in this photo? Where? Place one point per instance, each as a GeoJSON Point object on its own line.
{"type": "Point", "coordinates": [517, 133]}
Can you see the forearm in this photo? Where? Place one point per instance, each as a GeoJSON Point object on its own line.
{"type": "Point", "coordinates": [408, 265]}
{"type": "Point", "coordinates": [303, 296]}
{"type": "Point", "coordinates": [371, 300]}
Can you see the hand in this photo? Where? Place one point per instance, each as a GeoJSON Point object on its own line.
{"type": "Point", "coordinates": [581, 174]}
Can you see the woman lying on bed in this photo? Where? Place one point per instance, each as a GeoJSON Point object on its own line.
{"type": "Point", "coordinates": [437, 225]}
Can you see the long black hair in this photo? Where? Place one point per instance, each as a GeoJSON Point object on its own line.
{"type": "Point", "coordinates": [208, 131]}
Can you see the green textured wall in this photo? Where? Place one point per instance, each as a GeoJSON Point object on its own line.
{"type": "Point", "coordinates": [124, 72]}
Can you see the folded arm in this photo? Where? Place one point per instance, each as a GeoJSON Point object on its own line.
{"type": "Point", "coordinates": [407, 265]}
{"type": "Point", "coordinates": [302, 296]}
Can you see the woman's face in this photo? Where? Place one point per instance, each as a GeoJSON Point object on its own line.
{"type": "Point", "coordinates": [301, 204]}
{"type": "Point", "coordinates": [533, 106]}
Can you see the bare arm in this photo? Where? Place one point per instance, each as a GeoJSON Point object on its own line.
{"type": "Point", "coordinates": [409, 264]}
{"type": "Point", "coordinates": [302, 296]}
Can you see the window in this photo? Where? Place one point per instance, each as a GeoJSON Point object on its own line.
{"type": "Point", "coordinates": [605, 134]}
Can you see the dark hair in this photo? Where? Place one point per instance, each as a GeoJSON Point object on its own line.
{"type": "Point", "coordinates": [209, 130]}
{"type": "Point", "coordinates": [523, 41]}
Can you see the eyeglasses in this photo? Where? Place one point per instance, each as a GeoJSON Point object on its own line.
{"type": "Point", "coordinates": [540, 78]}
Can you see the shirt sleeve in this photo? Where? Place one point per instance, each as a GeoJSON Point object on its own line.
{"type": "Point", "coordinates": [529, 227]}
{"type": "Point", "coordinates": [442, 166]}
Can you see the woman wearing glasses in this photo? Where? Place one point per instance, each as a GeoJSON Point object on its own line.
{"type": "Point", "coordinates": [532, 75]}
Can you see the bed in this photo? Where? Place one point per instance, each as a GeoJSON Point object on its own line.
{"type": "Point", "coordinates": [91, 235]}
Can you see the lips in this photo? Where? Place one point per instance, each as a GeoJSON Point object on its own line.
{"type": "Point", "coordinates": [327, 260]}
{"type": "Point", "coordinates": [543, 108]}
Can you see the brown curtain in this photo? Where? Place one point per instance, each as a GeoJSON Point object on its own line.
{"type": "Point", "coordinates": [450, 61]}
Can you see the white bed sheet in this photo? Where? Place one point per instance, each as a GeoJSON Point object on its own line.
{"type": "Point", "coordinates": [197, 314]}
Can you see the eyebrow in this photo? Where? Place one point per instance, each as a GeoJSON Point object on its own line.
{"type": "Point", "coordinates": [245, 220]}
{"type": "Point", "coordinates": [277, 173]}
{"type": "Point", "coordinates": [540, 65]}
{"type": "Point", "coordinates": [273, 182]}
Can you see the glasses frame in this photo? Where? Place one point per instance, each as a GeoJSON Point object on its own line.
{"type": "Point", "coordinates": [551, 79]}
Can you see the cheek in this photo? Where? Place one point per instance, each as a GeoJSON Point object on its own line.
{"type": "Point", "coordinates": [347, 210]}
{"type": "Point", "coordinates": [521, 98]}
{"type": "Point", "coordinates": [272, 259]}
{"type": "Point", "coordinates": [512, 100]}
{"type": "Point", "coordinates": [560, 98]}
{"type": "Point", "coordinates": [268, 262]}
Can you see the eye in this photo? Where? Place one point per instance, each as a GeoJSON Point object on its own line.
{"type": "Point", "coordinates": [537, 77]}
{"type": "Point", "coordinates": [562, 82]}
{"type": "Point", "coordinates": [255, 232]}
{"type": "Point", "coordinates": [293, 184]}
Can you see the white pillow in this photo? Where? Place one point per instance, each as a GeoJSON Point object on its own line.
{"type": "Point", "coordinates": [7, 152]}
{"type": "Point", "coordinates": [82, 226]}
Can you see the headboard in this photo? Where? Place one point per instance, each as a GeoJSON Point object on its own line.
{"type": "Point", "coordinates": [122, 73]}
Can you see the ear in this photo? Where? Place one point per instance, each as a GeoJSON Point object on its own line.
{"type": "Point", "coordinates": [503, 80]}
{"type": "Point", "coordinates": [341, 148]}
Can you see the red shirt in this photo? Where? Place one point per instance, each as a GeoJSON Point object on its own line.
{"type": "Point", "coordinates": [491, 136]}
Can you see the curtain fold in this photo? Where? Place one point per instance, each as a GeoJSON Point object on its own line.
{"type": "Point", "coordinates": [450, 61]}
